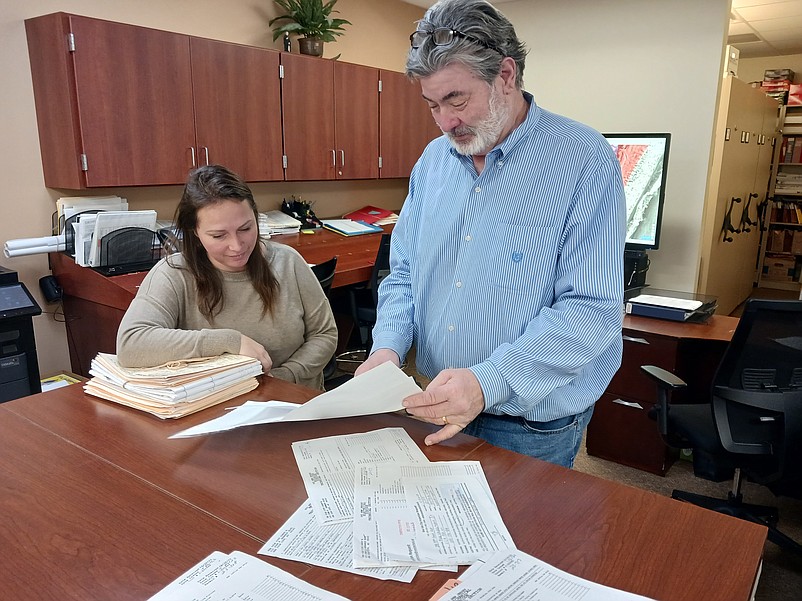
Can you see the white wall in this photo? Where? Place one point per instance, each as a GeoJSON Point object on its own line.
{"type": "Point", "coordinates": [636, 66]}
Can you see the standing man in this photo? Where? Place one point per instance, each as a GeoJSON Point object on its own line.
{"type": "Point", "coordinates": [507, 261]}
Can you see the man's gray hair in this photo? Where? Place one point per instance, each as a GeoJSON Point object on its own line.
{"type": "Point", "coordinates": [475, 18]}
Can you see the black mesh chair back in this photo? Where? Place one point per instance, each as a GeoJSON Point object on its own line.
{"type": "Point", "coordinates": [757, 392]}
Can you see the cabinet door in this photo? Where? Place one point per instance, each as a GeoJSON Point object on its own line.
{"type": "Point", "coordinates": [406, 125]}
{"type": "Point", "coordinates": [356, 125]}
{"type": "Point", "coordinates": [134, 98]}
{"type": "Point", "coordinates": [308, 111]}
{"type": "Point", "coordinates": [237, 108]}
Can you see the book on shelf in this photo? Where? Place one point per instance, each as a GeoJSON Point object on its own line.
{"type": "Point", "coordinates": [176, 388]}
{"type": "Point", "coordinates": [349, 227]}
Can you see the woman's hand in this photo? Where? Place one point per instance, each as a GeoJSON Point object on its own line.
{"type": "Point", "coordinates": [250, 348]}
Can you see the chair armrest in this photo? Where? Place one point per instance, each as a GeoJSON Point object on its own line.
{"type": "Point", "coordinates": [665, 381]}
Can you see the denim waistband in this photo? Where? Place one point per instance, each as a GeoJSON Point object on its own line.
{"type": "Point", "coordinates": [554, 424]}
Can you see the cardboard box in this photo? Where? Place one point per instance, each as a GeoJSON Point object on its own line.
{"type": "Point", "coordinates": [796, 243]}
{"type": "Point", "coordinates": [780, 269]}
{"type": "Point", "coordinates": [779, 241]}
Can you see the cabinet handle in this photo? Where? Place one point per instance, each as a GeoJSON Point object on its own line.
{"type": "Point", "coordinates": [631, 339]}
{"type": "Point", "coordinates": [206, 151]}
{"type": "Point", "coordinates": [342, 158]}
{"type": "Point", "coordinates": [628, 404]}
{"type": "Point", "coordinates": [334, 158]}
{"type": "Point", "coordinates": [192, 149]}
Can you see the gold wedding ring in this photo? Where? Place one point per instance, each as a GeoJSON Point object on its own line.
{"type": "Point", "coordinates": [445, 420]}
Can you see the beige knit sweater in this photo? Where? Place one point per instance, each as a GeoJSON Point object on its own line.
{"type": "Point", "coordinates": [163, 322]}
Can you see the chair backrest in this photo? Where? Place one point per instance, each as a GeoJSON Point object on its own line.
{"type": "Point", "coordinates": [381, 268]}
{"type": "Point", "coordinates": [325, 274]}
{"type": "Point", "coordinates": [757, 391]}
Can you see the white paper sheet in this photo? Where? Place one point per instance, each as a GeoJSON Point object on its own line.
{"type": "Point", "coordinates": [110, 221]}
{"type": "Point", "coordinates": [221, 577]}
{"type": "Point", "coordinates": [509, 575]}
{"type": "Point", "coordinates": [327, 466]}
{"type": "Point", "coordinates": [379, 390]}
{"type": "Point", "coordinates": [438, 513]}
{"type": "Point", "coordinates": [303, 538]}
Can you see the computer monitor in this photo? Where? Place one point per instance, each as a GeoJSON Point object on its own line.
{"type": "Point", "coordinates": [644, 166]}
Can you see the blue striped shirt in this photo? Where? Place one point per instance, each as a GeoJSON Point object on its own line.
{"type": "Point", "coordinates": [515, 273]}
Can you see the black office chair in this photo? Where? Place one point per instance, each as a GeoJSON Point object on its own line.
{"type": "Point", "coordinates": [752, 425]}
{"type": "Point", "coordinates": [325, 275]}
{"type": "Point", "coordinates": [362, 303]}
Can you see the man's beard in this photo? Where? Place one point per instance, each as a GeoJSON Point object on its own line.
{"type": "Point", "coordinates": [486, 134]}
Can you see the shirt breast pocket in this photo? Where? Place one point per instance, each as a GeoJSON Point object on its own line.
{"type": "Point", "coordinates": [522, 257]}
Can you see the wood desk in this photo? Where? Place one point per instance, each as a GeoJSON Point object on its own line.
{"type": "Point", "coordinates": [100, 505]}
{"type": "Point", "coordinates": [620, 429]}
{"type": "Point", "coordinates": [94, 304]}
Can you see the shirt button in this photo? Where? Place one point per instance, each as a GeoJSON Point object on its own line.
{"type": "Point", "coordinates": [477, 189]}
{"type": "Point", "coordinates": [459, 284]}
{"type": "Point", "coordinates": [468, 238]}
{"type": "Point", "coordinates": [500, 164]}
{"type": "Point", "coordinates": [450, 328]}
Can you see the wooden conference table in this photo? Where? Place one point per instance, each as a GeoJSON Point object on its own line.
{"type": "Point", "coordinates": [97, 503]}
{"type": "Point", "coordinates": [94, 304]}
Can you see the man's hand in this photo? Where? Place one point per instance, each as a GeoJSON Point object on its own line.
{"type": "Point", "coordinates": [250, 348]}
{"type": "Point", "coordinates": [452, 400]}
{"type": "Point", "coordinates": [383, 355]}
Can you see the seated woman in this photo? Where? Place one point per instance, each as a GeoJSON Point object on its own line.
{"type": "Point", "coordinates": [229, 291]}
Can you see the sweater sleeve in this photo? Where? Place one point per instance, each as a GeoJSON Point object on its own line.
{"type": "Point", "coordinates": [150, 332]}
{"type": "Point", "coordinates": [305, 365]}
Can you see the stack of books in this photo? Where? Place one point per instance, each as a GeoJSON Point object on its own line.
{"type": "Point", "coordinates": [276, 223]}
{"type": "Point", "coordinates": [174, 389]}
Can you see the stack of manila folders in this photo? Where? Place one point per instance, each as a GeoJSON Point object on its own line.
{"type": "Point", "coordinates": [174, 389]}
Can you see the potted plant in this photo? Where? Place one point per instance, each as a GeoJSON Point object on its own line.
{"type": "Point", "coordinates": [310, 19]}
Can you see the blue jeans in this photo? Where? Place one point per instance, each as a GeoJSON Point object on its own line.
{"type": "Point", "coordinates": [556, 441]}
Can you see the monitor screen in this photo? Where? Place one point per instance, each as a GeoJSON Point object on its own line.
{"type": "Point", "coordinates": [644, 166]}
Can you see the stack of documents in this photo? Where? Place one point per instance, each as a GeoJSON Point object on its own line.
{"type": "Point", "coordinates": [174, 389]}
{"type": "Point", "coordinates": [377, 507]}
{"type": "Point", "coordinates": [276, 222]}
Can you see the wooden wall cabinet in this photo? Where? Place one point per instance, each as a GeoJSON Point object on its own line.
{"type": "Point", "coordinates": [120, 105]}
{"type": "Point", "coordinates": [406, 124]}
{"type": "Point", "coordinates": [331, 119]}
{"type": "Point", "coordinates": [746, 132]}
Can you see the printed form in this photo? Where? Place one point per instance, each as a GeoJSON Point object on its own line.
{"type": "Point", "coordinates": [221, 577]}
{"type": "Point", "coordinates": [327, 466]}
{"type": "Point", "coordinates": [434, 514]}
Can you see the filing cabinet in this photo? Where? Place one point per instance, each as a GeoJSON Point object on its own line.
{"type": "Point", "coordinates": [621, 429]}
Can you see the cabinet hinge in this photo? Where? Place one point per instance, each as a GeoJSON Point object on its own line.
{"type": "Point", "coordinates": [380, 162]}
{"type": "Point", "coordinates": [71, 42]}
{"type": "Point", "coordinates": [281, 71]}
{"type": "Point", "coordinates": [284, 160]}
{"type": "Point", "coordinates": [84, 163]}
{"type": "Point", "coordinates": [380, 86]}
